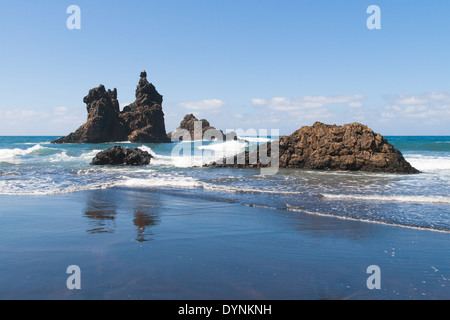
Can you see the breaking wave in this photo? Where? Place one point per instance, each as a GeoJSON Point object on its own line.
{"type": "Point", "coordinates": [7, 155]}
{"type": "Point", "coordinates": [429, 163]}
{"type": "Point", "coordinates": [184, 156]}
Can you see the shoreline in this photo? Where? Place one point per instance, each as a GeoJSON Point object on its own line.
{"type": "Point", "coordinates": [213, 199]}
{"type": "Point", "coordinates": [140, 244]}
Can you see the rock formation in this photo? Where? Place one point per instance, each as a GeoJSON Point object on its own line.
{"type": "Point", "coordinates": [104, 123]}
{"type": "Point", "coordinates": [145, 117]}
{"type": "Point", "coordinates": [188, 125]}
{"type": "Point", "coordinates": [352, 147]}
{"type": "Point", "coordinates": [141, 121]}
{"type": "Point", "coordinates": [122, 156]}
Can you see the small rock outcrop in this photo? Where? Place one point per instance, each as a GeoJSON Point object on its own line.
{"type": "Point", "coordinates": [122, 156]}
{"type": "Point", "coordinates": [140, 122]}
{"type": "Point", "coordinates": [351, 147]}
{"type": "Point", "coordinates": [202, 131]}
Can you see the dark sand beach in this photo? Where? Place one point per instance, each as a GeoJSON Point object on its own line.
{"type": "Point", "coordinates": [141, 244]}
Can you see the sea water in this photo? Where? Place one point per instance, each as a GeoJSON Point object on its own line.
{"type": "Point", "coordinates": [34, 166]}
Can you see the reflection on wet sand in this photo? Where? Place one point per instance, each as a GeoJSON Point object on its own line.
{"type": "Point", "coordinates": [103, 212]}
{"type": "Point", "coordinates": [143, 220]}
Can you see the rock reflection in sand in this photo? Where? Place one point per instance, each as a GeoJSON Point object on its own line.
{"type": "Point", "coordinates": [103, 214]}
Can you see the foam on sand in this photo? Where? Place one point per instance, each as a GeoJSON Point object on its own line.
{"type": "Point", "coordinates": [392, 198]}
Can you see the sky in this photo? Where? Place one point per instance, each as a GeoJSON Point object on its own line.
{"type": "Point", "coordinates": [247, 64]}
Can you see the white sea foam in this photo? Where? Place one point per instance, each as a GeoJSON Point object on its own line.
{"type": "Point", "coordinates": [64, 157]}
{"type": "Point", "coordinates": [147, 149]}
{"type": "Point", "coordinates": [392, 198]}
{"type": "Point", "coordinates": [32, 143]}
{"type": "Point", "coordinates": [53, 191]}
{"type": "Point", "coordinates": [163, 181]}
{"type": "Point", "coordinates": [13, 155]}
{"type": "Point", "coordinates": [222, 150]}
{"type": "Point", "coordinates": [47, 186]}
{"type": "Point", "coordinates": [256, 139]}
{"type": "Point", "coordinates": [160, 182]}
{"type": "Point", "coordinates": [227, 147]}
{"type": "Point", "coordinates": [291, 208]}
{"type": "Point", "coordinates": [229, 189]}
{"type": "Point", "coordinates": [178, 161]}
{"type": "Point", "coordinates": [186, 158]}
{"type": "Point", "coordinates": [175, 161]}
{"type": "Point", "coordinates": [429, 163]}
{"type": "Point", "coordinates": [52, 154]}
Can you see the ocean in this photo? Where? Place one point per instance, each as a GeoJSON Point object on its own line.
{"type": "Point", "coordinates": [175, 230]}
{"type": "Point", "coordinates": [33, 166]}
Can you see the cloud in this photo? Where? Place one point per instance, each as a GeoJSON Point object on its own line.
{"type": "Point", "coordinates": [355, 104]}
{"type": "Point", "coordinates": [211, 104]}
{"type": "Point", "coordinates": [427, 98]}
{"type": "Point", "coordinates": [50, 122]}
{"type": "Point", "coordinates": [20, 114]}
{"type": "Point", "coordinates": [429, 108]}
{"type": "Point", "coordinates": [291, 113]}
{"type": "Point", "coordinates": [259, 102]}
{"type": "Point", "coordinates": [309, 102]}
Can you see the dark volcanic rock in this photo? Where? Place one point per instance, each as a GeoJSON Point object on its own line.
{"type": "Point", "coordinates": [352, 147]}
{"type": "Point", "coordinates": [122, 156]}
{"type": "Point", "coordinates": [142, 121]}
{"type": "Point", "coordinates": [104, 123]}
{"type": "Point", "coordinates": [145, 117]}
{"type": "Point", "coordinates": [187, 125]}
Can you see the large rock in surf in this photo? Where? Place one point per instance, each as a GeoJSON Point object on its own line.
{"type": "Point", "coordinates": [142, 121]}
{"type": "Point", "coordinates": [121, 156]}
{"type": "Point", "coordinates": [351, 147]}
{"type": "Point", "coordinates": [194, 129]}
{"type": "Point", "coordinates": [104, 123]}
{"type": "Point", "coordinates": [145, 117]}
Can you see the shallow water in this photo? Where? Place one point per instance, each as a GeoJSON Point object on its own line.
{"type": "Point", "coordinates": [33, 166]}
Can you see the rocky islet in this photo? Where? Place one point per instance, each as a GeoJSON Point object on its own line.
{"type": "Point", "coordinates": [351, 147]}
{"type": "Point", "coordinates": [141, 121]}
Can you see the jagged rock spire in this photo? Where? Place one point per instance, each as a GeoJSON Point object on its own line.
{"type": "Point", "coordinates": [146, 92]}
{"type": "Point", "coordinates": [141, 121]}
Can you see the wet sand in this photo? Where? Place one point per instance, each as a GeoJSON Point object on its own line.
{"type": "Point", "coordinates": [135, 244]}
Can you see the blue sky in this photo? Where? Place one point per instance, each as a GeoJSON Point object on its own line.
{"type": "Point", "coordinates": [240, 64]}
